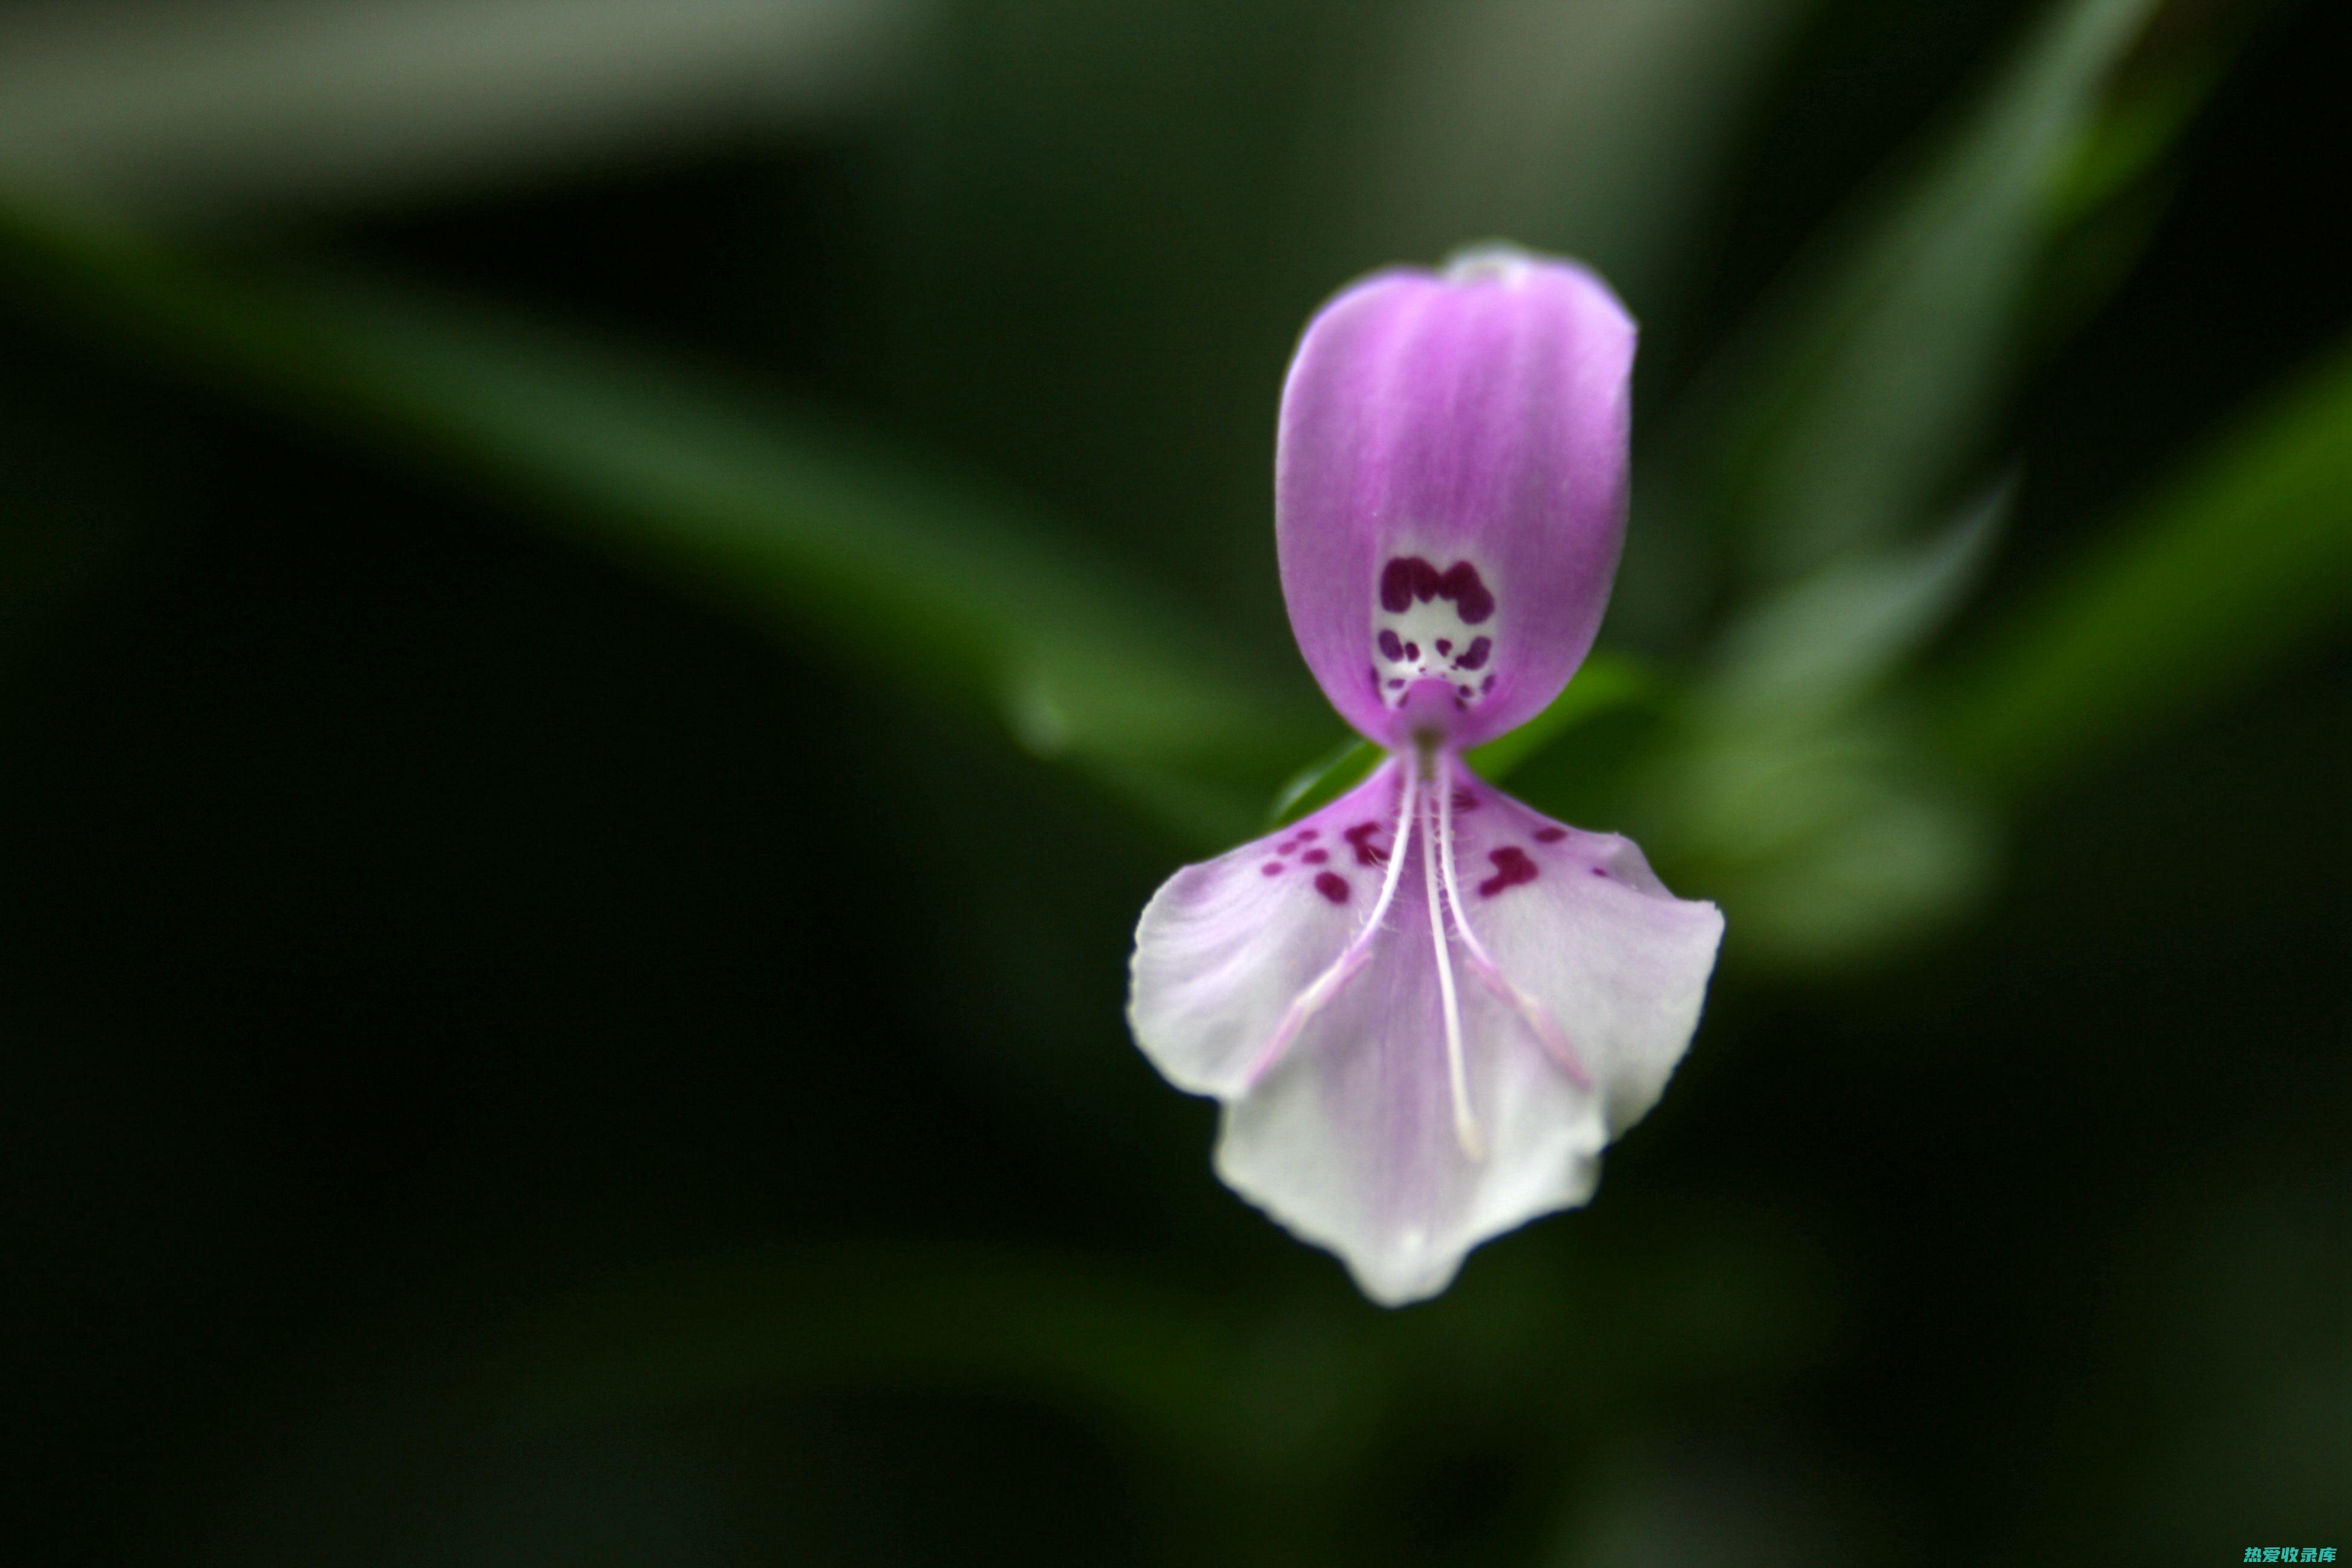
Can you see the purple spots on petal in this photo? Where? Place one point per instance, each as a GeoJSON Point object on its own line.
{"type": "Point", "coordinates": [1396, 684]}
{"type": "Point", "coordinates": [1474, 656]}
{"type": "Point", "coordinates": [1310, 833]}
{"type": "Point", "coordinates": [1360, 839]}
{"type": "Point", "coordinates": [1286, 846]}
{"type": "Point", "coordinates": [1332, 886]}
{"type": "Point", "coordinates": [1470, 596]}
{"type": "Point", "coordinates": [1315, 857]}
{"type": "Point", "coordinates": [1487, 684]}
{"type": "Point", "coordinates": [1391, 648]}
{"type": "Point", "coordinates": [1444, 647]}
{"type": "Point", "coordinates": [1466, 691]}
{"type": "Point", "coordinates": [1412, 651]}
{"type": "Point", "coordinates": [1600, 871]}
{"type": "Point", "coordinates": [1397, 583]}
{"type": "Point", "coordinates": [1271, 869]}
{"type": "Point", "coordinates": [1551, 835]}
{"type": "Point", "coordinates": [1464, 801]}
{"type": "Point", "coordinates": [1408, 577]}
{"type": "Point", "coordinates": [1512, 867]}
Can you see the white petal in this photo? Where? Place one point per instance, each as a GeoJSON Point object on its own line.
{"type": "Point", "coordinates": [1350, 1142]}
{"type": "Point", "coordinates": [1621, 963]}
{"type": "Point", "coordinates": [1224, 947]}
{"type": "Point", "coordinates": [1349, 1137]}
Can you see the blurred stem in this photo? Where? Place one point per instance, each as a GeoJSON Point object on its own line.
{"type": "Point", "coordinates": [2241, 560]}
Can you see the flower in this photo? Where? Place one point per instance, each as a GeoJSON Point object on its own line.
{"type": "Point", "coordinates": [1427, 1008]}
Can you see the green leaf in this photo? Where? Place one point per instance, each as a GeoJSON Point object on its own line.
{"type": "Point", "coordinates": [2107, 203]}
{"type": "Point", "coordinates": [1321, 782]}
{"type": "Point", "coordinates": [1818, 648]}
{"type": "Point", "coordinates": [2239, 561]}
{"type": "Point", "coordinates": [1826, 845]}
{"type": "Point", "coordinates": [1606, 684]}
{"type": "Point", "coordinates": [1789, 788]}
{"type": "Point", "coordinates": [195, 108]}
{"type": "Point", "coordinates": [1839, 420]}
{"type": "Point", "coordinates": [1595, 129]}
{"type": "Point", "coordinates": [856, 549]}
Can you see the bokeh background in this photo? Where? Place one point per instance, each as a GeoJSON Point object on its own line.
{"type": "Point", "coordinates": [609, 608]}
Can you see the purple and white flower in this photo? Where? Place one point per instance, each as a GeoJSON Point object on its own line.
{"type": "Point", "coordinates": [1425, 1008]}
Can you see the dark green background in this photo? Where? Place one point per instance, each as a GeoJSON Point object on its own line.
{"type": "Point", "coordinates": [505, 1065]}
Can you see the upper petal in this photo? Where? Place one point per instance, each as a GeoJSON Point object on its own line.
{"type": "Point", "coordinates": [1450, 486]}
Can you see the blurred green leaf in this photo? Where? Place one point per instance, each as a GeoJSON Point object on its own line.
{"type": "Point", "coordinates": [1789, 791]}
{"type": "Point", "coordinates": [1826, 822]}
{"type": "Point", "coordinates": [2107, 203]}
{"type": "Point", "coordinates": [1320, 783]}
{"type": "Point", "coordinates": [191, 109]}
{"type": "Point", "coordinates": [1607, 682]}
{"type": "Point", "coordinates": [2239, 561]}
{"type": "Point", "coordinates": [856, 549]}
{"type": "Point", "coordinates": [1598, 129]}
{"type": "Point", "coordinates": [2132, 134]}
{"type": "Point", "coordinates": [1818, 647]}
{"type": "Point", "coordinates": [1839, 418]}
{"type": "Point", "coordinates": [1826, 847]}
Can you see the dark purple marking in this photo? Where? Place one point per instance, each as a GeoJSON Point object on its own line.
{"type": "Point", "coordinates": [1487, 684]}
{"type": "Point", "coordinates": [1310, 833]}
{"type": "Point", "coordinates": [1396, 683]}
{"type": "Point", "coordinates": [1360, 839]}
{"type": "Point", "coordinates": [1390, 647]}
{"type": "Point", "coordinates": [1286, 846]}
{"type": "Point", "coordinates": [1469, 595]}
{"type": "Point", "coordinates": [1315, 857]}
{"type": "Point", "coordinates": [1444, 647]}
{"type": "Point", "coordinates": [1600, 871]}
{"type": "Point", "coordinates": [1464, 801]}
{"type": "Point", "coordinates": [1474, 656]}
{"type": "Point", "coordinates": [1551, 835]}
{"type": "Point", "coordinates": [1402, 580]}
{"type": "Point", "coordinates": [1466, 691]}
{"type": "Point", "coordinates": [1332, 886]}
{"type": "Point", "coordinates": [1408, 577]}
{"type": "Point", "coordinates": [1412, 651]}
{"type": "Point", "coordinates": [1512, 867]}
{"type": "Point", "coordinates": [1271, 869]}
